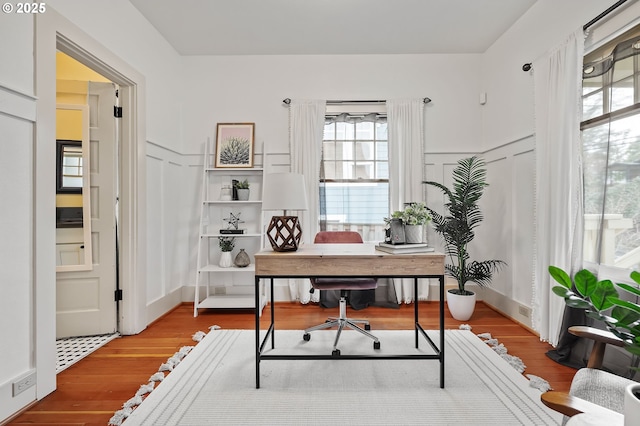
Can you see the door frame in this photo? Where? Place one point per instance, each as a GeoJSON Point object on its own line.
{"type": "Point", "coordinates": [54, 32]}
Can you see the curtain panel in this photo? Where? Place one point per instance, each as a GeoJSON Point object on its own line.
{"type": "Point", "coordinates": [558, 183]}
{"type": "Point", "coordinates": [405, 126]}
{"type": "Point", "coordinates": [306, 126]}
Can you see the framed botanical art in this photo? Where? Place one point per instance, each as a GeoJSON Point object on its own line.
{"type": "Point", "coordinates": [234, 144]}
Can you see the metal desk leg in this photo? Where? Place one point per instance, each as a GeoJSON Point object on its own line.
{"type": "Point", "coordinates": [257, 299]}
{"type": "Point", "coordinates": [415, 309]}
{"type": "Point", "coordinates": [441, 279]}
{"type": "Point", "coordinates": [272, 327]}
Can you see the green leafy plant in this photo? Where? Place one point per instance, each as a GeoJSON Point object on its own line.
{"type": "Point", "coordinates": [243, 184]}
{"type": "Point", "coordinates": [226, 243]}
{"type": "Point", "coordinates": [413, 214]}
{"type": "Point", "coordinates": [456, 226]}
{"type": "Point", "coordinates": [601, 301]}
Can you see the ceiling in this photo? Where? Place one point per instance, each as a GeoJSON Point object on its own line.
{"type": "Point", "coordinates": [318, 27]}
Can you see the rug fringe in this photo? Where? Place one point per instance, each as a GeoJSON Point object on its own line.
{"type": "Point", "coordinates": [539, 383]}
{"type": "Point", "coordinates": [514, 361]}
{"type": "Point", "coordinates": [145, 389]}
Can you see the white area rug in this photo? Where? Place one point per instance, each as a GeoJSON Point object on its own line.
{"type": "Point", "coordinates": [215, 384]}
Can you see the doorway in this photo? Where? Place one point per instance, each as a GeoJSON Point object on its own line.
{"type": "Point", "coordinates": [85, 124]}
{"type": "Point", "coordinates": [54, 33]}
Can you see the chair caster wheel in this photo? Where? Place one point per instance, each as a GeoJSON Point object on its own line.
{"type": "Point", "coordinates": [376, 345]}
{"type": "Point", "coordinates": [306, 337]}
{"type": "Point", "coordinates": [336, 352]}
{"type": "Point", "coordinates": [367, 327]}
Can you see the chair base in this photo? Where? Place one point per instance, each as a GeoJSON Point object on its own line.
{"type": "Point", "coordinates": [341, 322]}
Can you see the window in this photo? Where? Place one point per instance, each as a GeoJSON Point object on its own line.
{"type": "Point", "coordinates": [354, 183]}
{"type": "Point", "coordinates": [611, 152]}
{"type": "Point", "coordinates": [69, 166]}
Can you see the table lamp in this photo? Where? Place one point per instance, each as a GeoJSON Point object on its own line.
{"type": "Point", "coordinates": [284, 191]}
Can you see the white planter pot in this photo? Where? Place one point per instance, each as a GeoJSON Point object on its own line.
{"type": "Point", "coordinates": [413, 234]}
{"type": "Point", "coordinates": [226, 260]}
{"type": "Point", "coordinates": [243, 194]}
{"type": "Point", "coordinates": [461, 306]}
{"type": "Point", "coordinates": [631, 405]}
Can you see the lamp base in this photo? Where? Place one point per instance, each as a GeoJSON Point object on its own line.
{"type": "Point", "coordinates": [284, 233]}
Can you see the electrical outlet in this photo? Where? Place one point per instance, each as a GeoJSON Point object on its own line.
{"type": "Point", "coordinates": [25, 383]}
{"type": "Point", "coordinates": [524, 311]}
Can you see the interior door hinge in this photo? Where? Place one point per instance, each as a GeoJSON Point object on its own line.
{"type": "Point", "coordinates": [118, 295]}
{"type": "Point", "coordinates": [117, 112]}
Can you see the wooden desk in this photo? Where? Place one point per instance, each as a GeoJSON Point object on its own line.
{"type": "Point", "coordinates": [348, 260]}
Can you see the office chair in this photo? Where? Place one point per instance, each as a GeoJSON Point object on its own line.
{"type": "Point", "coordinates": [344, 285]}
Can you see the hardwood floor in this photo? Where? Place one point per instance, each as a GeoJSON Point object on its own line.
{"type": "Point", "coordinates": [89, 392]}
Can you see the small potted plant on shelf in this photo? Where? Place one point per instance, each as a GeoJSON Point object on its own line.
{"type": "Point", "coordinates": [226, 245]}
{"type": "Point", "coordinates": [243, 190]}
{"type": "Point", "coordinates": [456, 226]}
{"type": "Point", "coordinates": [601, 301]}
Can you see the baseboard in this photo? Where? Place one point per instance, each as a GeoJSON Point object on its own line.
{"type": "Point", "coordinates": [509, 308]}
{"type": "Point", "coordinates": [161, 306]}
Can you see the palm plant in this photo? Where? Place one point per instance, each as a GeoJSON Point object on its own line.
{"type": "Point", "coordinates": [457, 225]}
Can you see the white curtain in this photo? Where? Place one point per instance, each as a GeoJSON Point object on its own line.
{"type": "Point", "coordinates": [306, 127]}
{"type": "Point", "coordinates": [557, 80]}
{"type": "Point", "coordinates": [405, 126]}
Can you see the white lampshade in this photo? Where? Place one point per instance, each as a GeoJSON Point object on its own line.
{"type": "Point", "coordinates": [284, 191]}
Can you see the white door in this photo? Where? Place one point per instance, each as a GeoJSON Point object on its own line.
{"type": "Point", "coordinates": [85, 300]}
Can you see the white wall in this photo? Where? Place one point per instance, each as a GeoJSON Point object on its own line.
{"type": "Point", "coordinates": [17, 256]}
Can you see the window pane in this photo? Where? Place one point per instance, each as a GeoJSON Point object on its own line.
{"type": "Point", "coordinates": [357, 203]}
{"type": "Point", "coordinates": [623, 69]}
{"type": "Point", "coordinates": [365, 130]}
{"type": "Point", "coordinates": [622, 94]}
{"type": "Point", "coordinates": [329, 131]}
{"type": "Point", "coordinates": [382, 170]}
{"type": "Point", "coordinates": [364, 151]}
{"type": "Point", "coordinates": [344, 131]}
{"type": "Point", "coordinates": [592, 106]}
{"type": "Point", "coordinates": [612, 182]}
{"type": "Point", "coordinates": [382, 151]}
{"type": "Point", "coordinates": [344, 151]}
{"type": "Point", "coordinates": [329, 170]}
{"type": "Point", "coordinates": [590, 85]}
{"type": "Point", "coordinates": [381, 131]}
{"type": "Point", "coordinates": [328, 150]}
{"type": "Point", "coordinates": [364, 170]}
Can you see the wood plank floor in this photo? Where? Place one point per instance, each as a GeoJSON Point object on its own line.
{"type": "Point", "coordinates": [89, 392]}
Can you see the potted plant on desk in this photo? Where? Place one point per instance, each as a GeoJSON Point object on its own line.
{"type": "Point", "coordinates": [456, 227]}
{"type": "Point", "coordinates": [414, 217]}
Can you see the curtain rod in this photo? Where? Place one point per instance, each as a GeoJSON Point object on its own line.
{"type": "Point", "coordinates": [288, 101]}
{"type": "Point", "coordinates": [527, 66]}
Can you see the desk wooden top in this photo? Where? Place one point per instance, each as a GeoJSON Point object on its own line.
{"type": "Point", "coordinates": [313, 260]}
